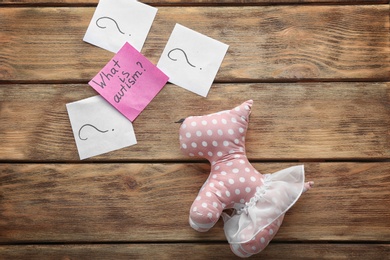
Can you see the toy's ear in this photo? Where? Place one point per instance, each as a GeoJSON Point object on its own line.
{"type": "Point", "coordinates": [243, 110]}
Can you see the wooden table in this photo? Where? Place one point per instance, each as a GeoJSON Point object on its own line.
{"type": "Point", "coordinates": [317, 70]}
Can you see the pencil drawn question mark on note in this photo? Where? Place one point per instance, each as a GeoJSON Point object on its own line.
{"type": "Point", "coordinates": [104, 27]}
{"type": "Point", "coordinates": [140, 64]}
{"type": "Point", "coordinates": [89, 125]}
{"type": "Point", "coordinates": [185, 55]}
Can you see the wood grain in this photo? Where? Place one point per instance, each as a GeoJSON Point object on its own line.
{"type": "Point", "coordinates": [150, 202]}
{"type": "Point", "coordinates": [133, 203]}
{"type": "Point", "coordinates": [276, 43]}
{"type": "Point", "coordinates": [192, 2]}
{"type": "Point", "coordinates": [288, 121]}
{"type": "Point", "coordinates": [274, 251]}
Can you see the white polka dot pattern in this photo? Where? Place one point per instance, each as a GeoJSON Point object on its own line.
{"type": "Point", "coordinates": [220, 138]}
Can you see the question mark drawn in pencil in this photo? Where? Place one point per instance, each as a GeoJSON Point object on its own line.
{"type": "Point", "coordinates": [185, 55]}
{"type": "Point", "coordinates": [104, 131]}
{"type": "Point", "coordinates": [104, 27]}
{"type": "Point", "coordinates": [140, 64]}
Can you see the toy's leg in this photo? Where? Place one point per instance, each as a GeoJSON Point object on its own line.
{"type": "Point", "coordinates": [262, 239]}
{"type": "Point", "coordinates": [308, 186]}
{"type": "Point", "coordinates": [205, 211]}
{"type": "Point", "coordinates": [259, 242]}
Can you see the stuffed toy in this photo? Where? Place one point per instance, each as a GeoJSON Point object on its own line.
{"type": "Point", "coordinates": [258, 202]}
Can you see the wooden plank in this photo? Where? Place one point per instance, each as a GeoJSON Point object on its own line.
{"type": "Point", "coordinates": [191, 2]}
{"type": "Point", "coordinates": [288, 121]}
{"type": "Point", "coordinates": [194, 251]}
{"type": "Point", "coordinates": [275, 43]}
{"type": "Point", "coordinates": [150, 202]}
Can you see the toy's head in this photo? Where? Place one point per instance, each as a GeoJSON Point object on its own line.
{"type": "Point", "coordinates": [216, 136]}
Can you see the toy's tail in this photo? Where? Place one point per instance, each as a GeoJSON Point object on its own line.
{"type": "Point", "coordinates": [180, 121]}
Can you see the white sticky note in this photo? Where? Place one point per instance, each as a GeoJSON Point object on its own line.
{"type": "Point", "coordinates": [191, 60]}
{"type": "Point", "coordinates": [116, 22]}
{"type": "Point", "coordinates": [98, 127]}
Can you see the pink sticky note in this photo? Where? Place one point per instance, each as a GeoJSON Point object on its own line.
{"type": "Point", "coordinates": [129, 81]}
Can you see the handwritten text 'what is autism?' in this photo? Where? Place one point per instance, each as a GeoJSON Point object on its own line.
{"type": "Point", "coordinates": [127, 79]}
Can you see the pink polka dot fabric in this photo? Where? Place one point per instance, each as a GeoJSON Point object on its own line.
{"type": "Point", "coordinates": [259, 201]}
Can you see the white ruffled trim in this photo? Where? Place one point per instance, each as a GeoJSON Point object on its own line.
{"type": "Point", "coordinates": [274, 198]}
{"type": "Point", "coordinates": [259, 196]}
